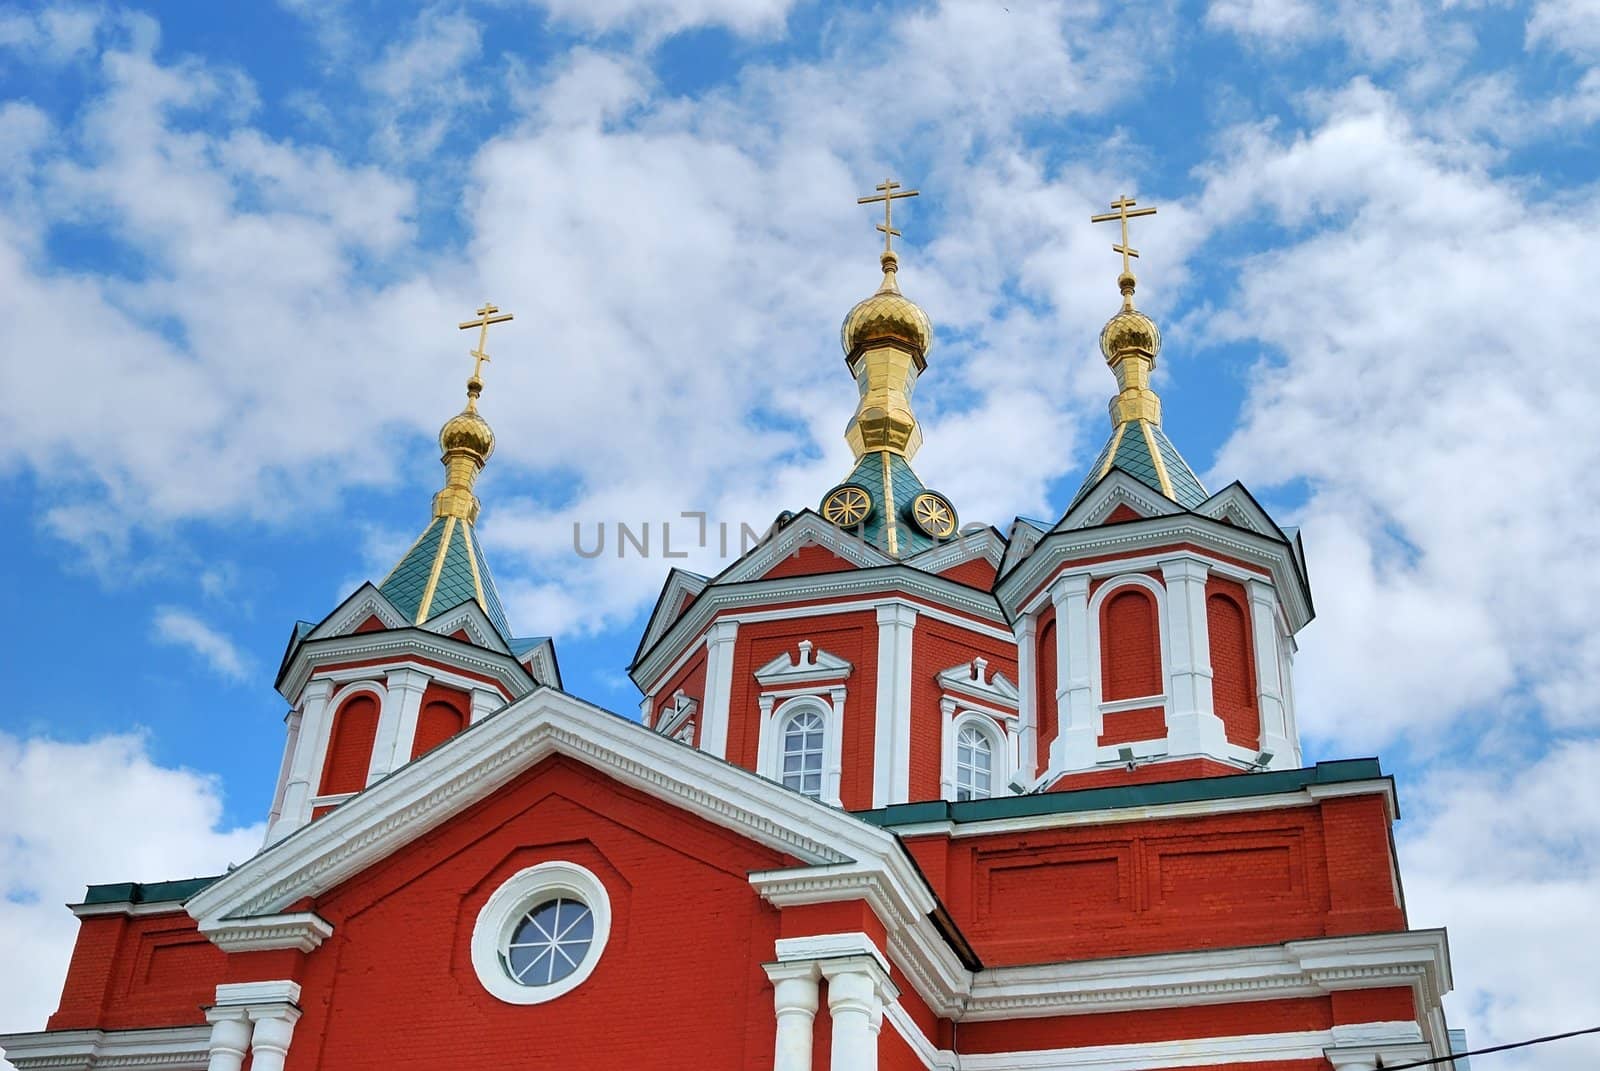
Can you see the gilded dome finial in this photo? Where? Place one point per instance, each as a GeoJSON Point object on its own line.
{"type": "Point", "coordinates": [1130, 340]}
{"type": "Point", "coordinates": [466, 440]}
{"type": "Point", "coordinates": [886, 340]}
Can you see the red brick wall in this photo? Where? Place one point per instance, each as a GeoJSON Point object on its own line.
{"type": "Point", "coordinates": [1130, 646]}
{"type": "Point", "coordinates": [1045, 692]}
{"type": "Point", "coordinates": [1233, 682]}
{"type": "Point", "coordinates": [144, 971]}
{"type": "Point", "coordinates": [1169, 885]}
{"type": "Point", "coordinates": [355, 725]}
{"type": "Point", "coordinates": [854, 638]}
{"type": "Point", "coordinates": [978, 573]}
{"type": "Point", "coordinates": [445, 712]}
{"type": "Point", "coordinates": [686, 926]}
{"type": "Point", "coordinates": [807, 561]}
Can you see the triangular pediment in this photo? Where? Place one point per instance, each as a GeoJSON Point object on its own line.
{"type": "Point", "coordinates": [805, 532]}
{"type": "Point", "coordinates": [1020, 541]}
{"type": "Point", "coordinates": [806, 665]}
{"type": "Point", "coordinates": [956, 558]}
{"type": "Point", "coordinates": [364, 603]}
{"type": "Point", "coordinates": [468, 617]}
{"type": "Point", "coordinates": [1115, 491]}
{"type": "Point", "coordinates": [975, 680]}
{"type": "Point", "coordinates": [394, 812]}
{"type": "Point", "coordinates": [1235, 505]}
{"type": "Point", "coordinates": [677, 594]}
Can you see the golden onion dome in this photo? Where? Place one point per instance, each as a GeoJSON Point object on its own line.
{"type": "Point", "coordinates": [887, 315]}
{"type": "Point", "coordinates": [467, 432]}
{"type": "Point", "coordinates": [1129, 331]}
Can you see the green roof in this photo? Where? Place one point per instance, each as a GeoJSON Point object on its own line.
{"type": "Point", "coordinates": [451, 546]}
{"type": "Point", "coordinates": [149, 892]}
{"type": "Point", "coordinates": [869, 473]}
{"type": "Point", "coordinates": [1227, 786]}
{"type": "Point", "coordinates": [1132, 442]}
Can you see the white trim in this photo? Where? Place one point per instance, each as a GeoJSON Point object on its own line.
{"type": "Point", "coordinates": [829, 946]}
{"type": "Point", "coordinates": [521, 893]}
{"type": "Point", "coordinates": [399, 649]}
{"type": "Point", "coordinates": [1115, 489]}
{"type": "Point", "coordinates": [1158, 593]}
{"type": "Point", "coordinates": [808, 666]}
{"type": "Point", "coordinates": [680, 582]}
{"type": "Point", "coordinates": [251, 994]}
{"type": "Point", "coordinates": [1002, 748]}
{"type": "Point", "coordinates": [366, 601]}
{"type": "Point", "coordinates": [829, 704]}
{"type": "Point", "coordinates": [682, 711]}
{"type": "Point", "coordinates": [971, 679]}
{"type": "Point", "coordinates": [989, 545]}
{"type": "Point", "coordinates": [470, 618]}
{"type": "Point", "coordinates": [302, 931]}
{"type": "Point", "coordinates": [891, 743]}
{"type": "Point", "coordinates": [180, 1048]}
{"type": "Point", "coordinates": [720, 641]}
{"type": "Point", "coordinates": [122, 907]}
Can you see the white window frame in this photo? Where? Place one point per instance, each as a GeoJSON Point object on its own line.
{"type": "Point", "coordinates": [775, 716]}
{"type": "Point", "coordinates": [1000, 728]}
{"type": "Point", "coordinates": [511, 902]}
{"type": "Point", "coordinates": [1157, 592]}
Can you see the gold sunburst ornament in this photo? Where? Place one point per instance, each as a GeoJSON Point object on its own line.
{"type": "Point", "coordinates": [934, 515]}
{"type": "Point", "coordinates": [847, 506]}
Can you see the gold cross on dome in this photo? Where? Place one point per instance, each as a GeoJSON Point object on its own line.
{"type": "Point", "coordinates": [888, 192]}
{"type": "Point", "coordinates": [1122, 204]}
{"type": "Point", "coordinates": [489, 314]}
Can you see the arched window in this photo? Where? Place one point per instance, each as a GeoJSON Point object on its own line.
{"type": "Point", "coordinates": [974, 764]}
{"type": "Point", "coordinates": [802, 753]}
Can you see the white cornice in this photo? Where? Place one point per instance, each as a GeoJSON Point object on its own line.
{"type": "Point", "coordinates": [423, 794]}
{"type": "Point", "coordinates": [680, 582]}
{"type": "Point", "coordinates": [1062, 547]}
{"type": "Point", "coordinates": [984, 544]}
{"type": "Point", "coordinates": [805, 530]}
{"type": "Point", "coordinates": [887, 582]}
{"type": "Point", "coordinates": [469, 618]}
{"type": "Point", "coordinates": [1118, 488]}
{"type": "Point", "coordinates": [366, 601]}
{"type": "Point", "coordinates": [162, 907]}
{"type": "Point", "coordinates": [808, 666]}
{"type": "Point", "coordinates": [302, 931]}
{"type": "Point", "coordinates": [183, 1048]}
{"type": "Point", "coordinates": [400, 645]}
{"type": "Point", "coordinates": [970, 679]}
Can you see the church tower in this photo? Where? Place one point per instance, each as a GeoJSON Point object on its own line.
{"type": "Point", "coordinates": [400, 667]}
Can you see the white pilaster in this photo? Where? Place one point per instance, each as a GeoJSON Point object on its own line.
{"type": "Point", "coordinates": [1077, 717]}
{"type": "Point", "coordinates": [794, 998]}
{"type": "Point", "coordinates": [1193, 727]}
{"type": "Point", "coordinates": [305, 765]}
{"type": "Point", "coordinates": [1027, 630]}
{"type": "Point", "coordinates": [291, 737]}
{"type": "Point", "coordinates": [1275, 735]}
{"type": "Point", "coordinates": [719, 687]}
{"type": "Point", "coordinates": [397, 722]}
{"type": "Point", "coordinates": [833, 772]}
{"type": "Point", "coordinates": [230, 1038]}
{"type": "Point", "coordinates": [485, 701]}
{"type": "Point", "coordinates": [858, 988]}
{"type": "Point", "coordinates": [891, 765]}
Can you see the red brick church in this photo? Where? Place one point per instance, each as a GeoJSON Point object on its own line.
{"type": "Point", "coordinates": [905, 795]}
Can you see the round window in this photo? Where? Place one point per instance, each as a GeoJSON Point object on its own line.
{"type": "Point", "coordinates": [541, 933]}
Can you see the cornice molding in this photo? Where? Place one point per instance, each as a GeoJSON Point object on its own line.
{"type": "Point", "coordinates": [184, 1048]}
{"type": "Point", "coordinates": [467, 768]}
{"type": "Point", "coordinates": [302, 931]}
{"type": "Point", "coordinates": [809, 665]}
{"type": "Point", "coordinates": [400, 644]}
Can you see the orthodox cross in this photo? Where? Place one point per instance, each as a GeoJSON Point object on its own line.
{"type": "Point", "coordinates": [489, 314]}
{"type": "Point", "coordinates": [1122, 204]}
{"type": "Point", "coordinates": [888, 195]}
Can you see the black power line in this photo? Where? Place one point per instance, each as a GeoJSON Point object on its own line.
{"type": "Point", "coordinates": [1494, 1048]}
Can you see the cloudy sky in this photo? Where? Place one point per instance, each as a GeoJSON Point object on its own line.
{"type": "Point", "coordinates": [235, 241]}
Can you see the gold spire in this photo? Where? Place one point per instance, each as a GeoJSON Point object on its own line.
{"type": "Point", "coordinates": [886, 339]}
{"type": "Point", "coordinates": [1130, 340]}
{"type": "Point", "coordinates": [466, 440]}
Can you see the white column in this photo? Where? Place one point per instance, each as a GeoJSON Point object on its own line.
{"type": "Point", "coordinates": [857, 990]}
{"type": "Point", "coordinates": [891, 751]}
{"type": "Point", "coordinates": [1027, 696]}
{"type": "Point", "coordinates": [230, 1038]}
{"type": "Point", "coordinates": [1193, 727]}
{"type": "Point", "coordinates": [719, 687]}
{"type": "Point", "coordinates": [947, 750]}
{"type": "Point", "coordinates": [1269, 676]}
{"type": "Point", "coordinates": [1078, 722]}
{"type": "Point", "coordinates": [269, 1041]}
{"type": "Point", "coordinates": [485, 701]}
{"type": "Point", "coordinates": [305, 765]}
{"type": "Point", "coordinates": [397, 722]}
{"type": "Point", "coordinates": [794, 998]}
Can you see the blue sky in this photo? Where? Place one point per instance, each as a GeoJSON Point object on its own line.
{"type": "Point", "coordinates": [235, 240]}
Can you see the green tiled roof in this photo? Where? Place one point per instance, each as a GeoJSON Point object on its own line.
{"type": "Point", "coordinates": [1133, 456]}
{"type": "Point", "coordinates": [868, 473]}
{"type": "Point", "coordinates": [455, 541]}
{"type": "Point", "coordinates": [147, 892]}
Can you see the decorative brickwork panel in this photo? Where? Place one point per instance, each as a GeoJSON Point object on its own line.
{"type": "Point", "coordinates": [1123, 726]}
{"type": "Point", "coordinates": [1130, 646]}
{"type": "Point", "coordinates": [1229, 873]}
{"type": "Point", "coordinates": [1025, 884]}
{"type": "Point", "coordinates": [1233, 681]}
{"type": "Point", "coordinates": [350, 747]}
{"type": "Point", "coordinates": [145, 971]}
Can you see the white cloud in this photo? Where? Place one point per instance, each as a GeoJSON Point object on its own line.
{"type": "Point", "coordinates": [661, 18]}
{"type": "Point", "coordinates": [56, 34]}
{"type": "Point", "coordinates": [423, 83]}
{"type": "Point", "coordinates": [84, 813]}
{"type": "Point", "coordinates": [1273, 21]}
{"type": "Point", "coordinates": [1571, 26]}
{"type": "Point", "coordinates": [180, 628]}
{"type": "Point", "coordinates": [1506, 857]}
